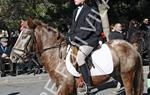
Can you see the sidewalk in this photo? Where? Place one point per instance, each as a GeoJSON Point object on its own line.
{"type": "Point", "coordinates": [24, 78]}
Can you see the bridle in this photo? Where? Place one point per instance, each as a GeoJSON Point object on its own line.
{"type": "Point", "coordinates": [25, 50]}
{"type": "Point", "coordinates": [33, 39]}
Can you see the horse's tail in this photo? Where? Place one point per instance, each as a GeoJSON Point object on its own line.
{"type": "Point", "coordinates": [138, 79]}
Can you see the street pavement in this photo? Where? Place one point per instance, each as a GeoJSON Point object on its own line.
{"type": "Point", "coordinates": [41, 84]}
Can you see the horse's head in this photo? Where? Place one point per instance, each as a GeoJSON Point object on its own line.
{"type": "Point", "coordinates": [36, 37]}
{"type": "Point", "coordinates": [22, 46]}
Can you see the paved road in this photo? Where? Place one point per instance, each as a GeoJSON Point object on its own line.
{"type": "Point", "coordinates": [39, 85]}
{"type": "Point", "coordinates": [23, 84]}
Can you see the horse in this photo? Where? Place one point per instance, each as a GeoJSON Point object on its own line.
{"type": "Point", "coordinates": [51, 47]}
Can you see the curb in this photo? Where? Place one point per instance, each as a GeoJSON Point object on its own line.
{"type": "Point", "coordinates": [24, 79]}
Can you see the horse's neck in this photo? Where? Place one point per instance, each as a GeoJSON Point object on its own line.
{"type": "Point", "coordinates": [48, 42]}
{"type": "Point", "coordinates": [51, 57]}
{"type": "Point", "coordinates": [52, 61]}
{"type": "Point", "coordinates": [42, 41]}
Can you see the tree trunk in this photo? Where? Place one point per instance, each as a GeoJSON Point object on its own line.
{"type": "Point", "coordinates": [103, 8]}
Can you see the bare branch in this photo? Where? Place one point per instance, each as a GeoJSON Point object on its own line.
{"type": "Point", "coordinates": [107, 1]}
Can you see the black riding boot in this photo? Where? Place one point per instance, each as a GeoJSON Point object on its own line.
{"type": "Point", "coordinates": [86, 76]}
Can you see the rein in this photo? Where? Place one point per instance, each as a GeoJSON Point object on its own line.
{"type": "Point", "coordinates": [54, 47]}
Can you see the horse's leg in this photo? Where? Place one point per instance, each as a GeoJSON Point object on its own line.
{"type": "Point", "coordinates": [127, 78]}
{"type": "Point", "coordinates": [138, 78]}
{"type": "Point", "coordinates": [63, 90]}
{"type": "Point", "coordinates": [138, 81]}
{"type": "Point", "coordinates": [67, 87]}
{"type": "Point", "coordinates": [149, 57]}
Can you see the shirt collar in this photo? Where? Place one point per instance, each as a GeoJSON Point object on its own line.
{"type": "Point", "coordinates": [80, 7]}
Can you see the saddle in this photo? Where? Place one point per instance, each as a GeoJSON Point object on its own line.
{"type": "Point", "coordinates": [100, 61]}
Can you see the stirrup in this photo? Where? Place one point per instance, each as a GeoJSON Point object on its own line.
{"type": "Point", "coordinates": [84, 90]}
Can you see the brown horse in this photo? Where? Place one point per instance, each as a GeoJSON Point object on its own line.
{"type": "Point", "coordinates": [51, 47]}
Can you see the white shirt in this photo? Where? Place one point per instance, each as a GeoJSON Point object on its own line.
{"type": "Point", "coordinates": [78, 12]}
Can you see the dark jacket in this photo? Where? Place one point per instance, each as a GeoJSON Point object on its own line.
{"type": "Point", "coordinates": [6, 50]}
{"type": "Point", "coordinates": [115, 35]}
{"type": "Point", "coordinates": [131, 32]}
{"type": "Point", "coordinates": [144, 27]}
{"type": "Point", "coordinates": [90, 37]}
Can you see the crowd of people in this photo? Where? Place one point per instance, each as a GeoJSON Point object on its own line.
{"type": "Point", "coordinates": [119, 31]}
{"type": "Point", "coordinates": [131, 32]}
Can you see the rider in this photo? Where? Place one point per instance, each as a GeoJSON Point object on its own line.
{"type": "Point", "coordinates": [84, 38]}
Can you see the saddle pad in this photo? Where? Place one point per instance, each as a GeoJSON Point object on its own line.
{"type": "Point", "coordinates": [71, 69]}
{"type": "Point", "coordinates": [101, 59]}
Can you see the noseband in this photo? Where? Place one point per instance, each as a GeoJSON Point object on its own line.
{"type": "Point", "coordinates": [25, 50]}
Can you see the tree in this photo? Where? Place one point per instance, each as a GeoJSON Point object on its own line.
{"type": "Point", "coordinates": [56, 12]}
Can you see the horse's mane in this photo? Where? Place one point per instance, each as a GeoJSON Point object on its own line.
{"type": "Point", "coordinates": [38, 23]}
{"type": "Point", "coordinates": [50, 33]}
{"type": "Point", "coordinates": [34, 23]}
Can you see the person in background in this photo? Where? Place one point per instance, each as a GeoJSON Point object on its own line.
{"type": "Point", "coordinates": [145, 25]}
{"type": "Point", "coordinates": [133, 27]}
{"type": "Point", "coordinates": [117, 32]}
{"type": "Point", "coordinates": [4, 54]}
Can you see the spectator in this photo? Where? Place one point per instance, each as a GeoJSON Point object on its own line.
{"type": "Point", "coordinates": [4, 54]}
{"type": "Point", "coordinates": [116, 33]}
{"type": "Point", "coordinates": [145, 25]}
{"type": "Point", "coordinates": [133, 27]}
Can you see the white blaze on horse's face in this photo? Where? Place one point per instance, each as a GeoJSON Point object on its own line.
{"type": "Point", "coordinates": [18, 53]}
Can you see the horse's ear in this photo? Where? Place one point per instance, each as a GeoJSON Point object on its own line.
{"type": "Point", "coordinates": [30, 23]}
